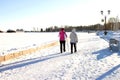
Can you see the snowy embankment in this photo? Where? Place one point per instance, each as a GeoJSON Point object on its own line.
{"type": "Point", "coordinates": [93, 61]}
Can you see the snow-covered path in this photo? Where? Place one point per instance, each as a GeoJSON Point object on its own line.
{"type": "Point", "coordinates": [93, 61]}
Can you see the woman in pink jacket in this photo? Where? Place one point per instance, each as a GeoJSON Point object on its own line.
{"type": "Point", "coordinates": [62, 36]}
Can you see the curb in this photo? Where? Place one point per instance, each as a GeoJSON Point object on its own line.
{"type": "Point", "coordinates": [27, 51]}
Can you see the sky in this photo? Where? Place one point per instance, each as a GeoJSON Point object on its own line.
{"type": "Point", "coordinates": [26, 14]}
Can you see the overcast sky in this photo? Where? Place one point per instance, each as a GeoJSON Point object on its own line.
{"type": "Point", "coordinates": [27, 14]}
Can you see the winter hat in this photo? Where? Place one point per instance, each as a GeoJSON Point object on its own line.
{"type": "Point", "coordinates": [62, 29]}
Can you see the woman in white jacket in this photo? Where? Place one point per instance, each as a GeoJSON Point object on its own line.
{"type": "Point", "coordinates": [73, 41]}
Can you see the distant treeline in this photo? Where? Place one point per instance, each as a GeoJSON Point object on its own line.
{"type": "Point", "coordinates": [95, 27]}
{"type": "Point", "coordinates": [69, 28]}
{"type": "Point", "coordinates": [78, 28]}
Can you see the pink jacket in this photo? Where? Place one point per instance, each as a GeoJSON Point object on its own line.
{"type": "Point", "coordinates": [62, 35]}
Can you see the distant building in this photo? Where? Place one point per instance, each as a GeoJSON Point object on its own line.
{"type": "Point", "coordinates": [114, 23]}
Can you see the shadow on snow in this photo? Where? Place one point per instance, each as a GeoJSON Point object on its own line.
{"type": "Point", "coordinates": [30, 61]}
{"type": "Point", "coordinates": [104, 53]}
{"type": "Point", "coordinates": [108, 72]}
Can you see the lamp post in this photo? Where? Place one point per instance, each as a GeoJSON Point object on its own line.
{"type": "Point", "coordinates": [105, 17]}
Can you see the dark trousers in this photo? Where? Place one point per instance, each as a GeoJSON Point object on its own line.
{"type": "Point", "coordinates": [73, 46]}
{"type": "Point", "coordinates": [62, 46]}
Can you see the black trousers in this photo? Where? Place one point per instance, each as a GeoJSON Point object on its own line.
{"type": "Point", "coordinates": [73, 46]}
{"type": "Point", "coordinates": [62, 46]}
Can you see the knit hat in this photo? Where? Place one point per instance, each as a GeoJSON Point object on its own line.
{"type": "Point", "coordinates": [62, 28]}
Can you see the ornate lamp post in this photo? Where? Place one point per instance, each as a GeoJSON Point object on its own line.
{"type": "Point", "coordinates": [105, 17]}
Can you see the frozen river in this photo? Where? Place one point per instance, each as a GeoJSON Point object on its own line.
{"type": "Point", "coordinates": [15, 41]}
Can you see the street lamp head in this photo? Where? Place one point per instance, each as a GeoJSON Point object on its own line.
{"type": "Point", "coordinates": [101, 12]}
{"type": "Point", "coordinates": [102, 20]}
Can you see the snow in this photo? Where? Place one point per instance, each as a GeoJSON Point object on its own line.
{"type": "Point", "coordinates": [92, 61]}
{"type": "Point", "coordinates": [13, 42]}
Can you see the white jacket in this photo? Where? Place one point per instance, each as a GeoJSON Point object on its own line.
{"type": "Point", "coordinates": [73, 37]}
